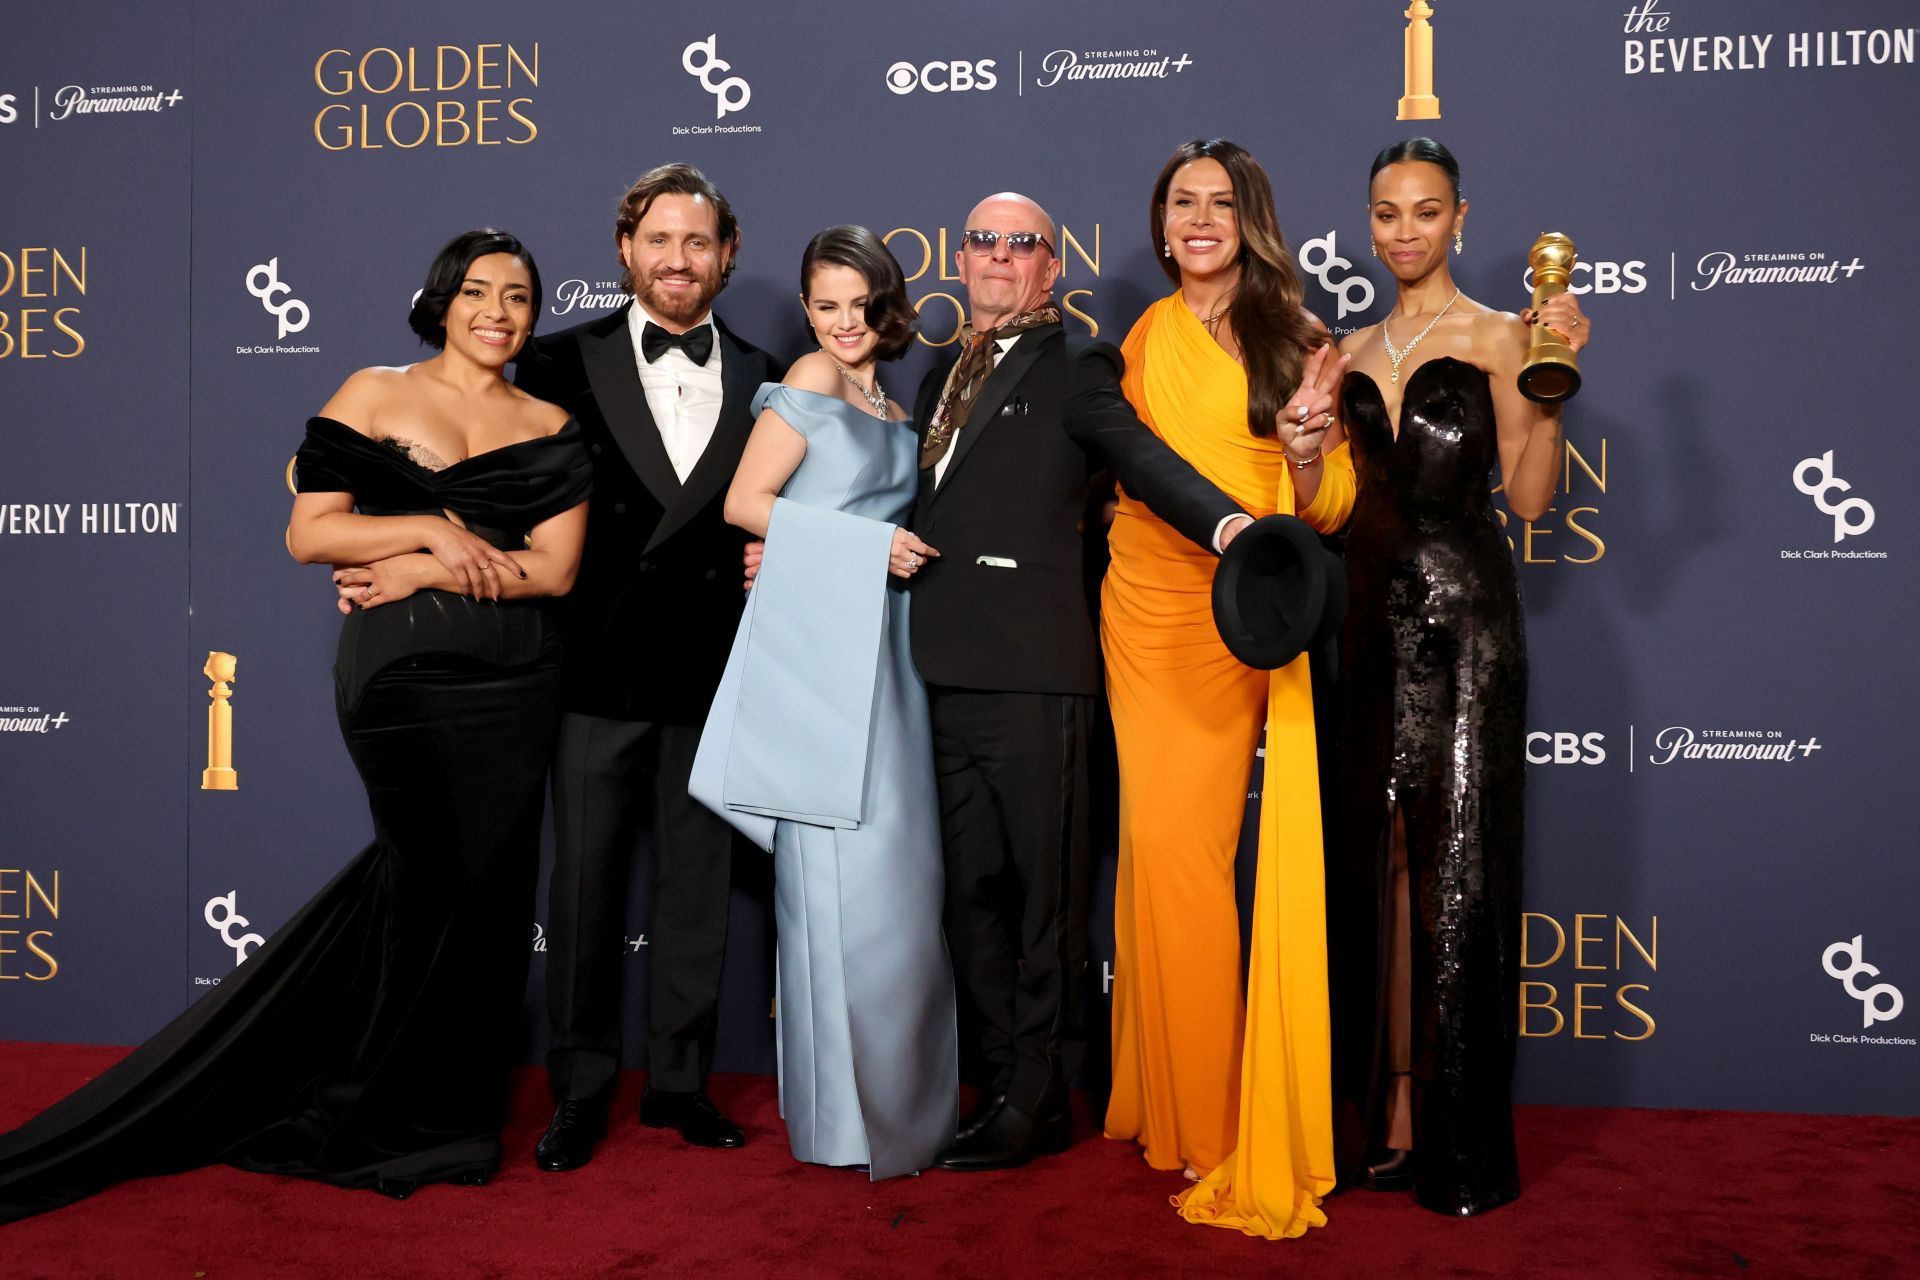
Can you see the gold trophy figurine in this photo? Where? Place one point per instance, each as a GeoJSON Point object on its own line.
{"type": "Point", "coordinates": [1552, 371]}
{"type": "Point", "coordinates": [219, 774]}
{"type": "Point", "coordinates": [1418, 102]}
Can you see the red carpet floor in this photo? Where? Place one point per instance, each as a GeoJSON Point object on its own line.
{"type": "Point", "coordinates": [1609, 1193]}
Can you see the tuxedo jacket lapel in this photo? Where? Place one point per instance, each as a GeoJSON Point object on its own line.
{"type": "Point", "coordinates": [611, 372]}
{"type": "Point", "coordinates": [924, 404]}
{"type": "Point", "coordinates": [1000, 383]}
{"type": "Point", "coordinates": [739, 379]}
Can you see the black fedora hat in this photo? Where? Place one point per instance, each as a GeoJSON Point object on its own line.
{"type": "Point", "coordinates": [1277, 592]}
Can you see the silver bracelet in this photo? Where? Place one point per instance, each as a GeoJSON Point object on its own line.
{"type": "Point", "coordinates": [1302, 466]}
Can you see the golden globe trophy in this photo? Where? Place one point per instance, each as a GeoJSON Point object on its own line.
{"type": "Point", "coordinates": [219, 774]}
{"type": "Point", "coordinates": [1418, 103]}
{"type": "Point", "coordinates": [1552, 371]}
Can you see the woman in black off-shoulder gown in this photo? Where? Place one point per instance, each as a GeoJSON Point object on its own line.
{"type": "Point", "coordinates": [368, 1043]}
{"type": "Point", "coordinates": [1424, 879]}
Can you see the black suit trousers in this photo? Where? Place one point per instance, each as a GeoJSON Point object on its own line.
{"type": "Point", "coordinates": [1012, 776]}
{"type": "Point", "coordinates": [605, 772]}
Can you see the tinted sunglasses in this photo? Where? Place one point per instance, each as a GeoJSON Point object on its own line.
{"type": "Point", "coordinates": [1020, 244]}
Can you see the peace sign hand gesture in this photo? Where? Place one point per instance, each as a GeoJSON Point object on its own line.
{"type": "Point", "coordinates": [1304, 422]}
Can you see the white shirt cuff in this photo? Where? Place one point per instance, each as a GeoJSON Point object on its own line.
{"type": "Point", "coordinates": [1221, 528]}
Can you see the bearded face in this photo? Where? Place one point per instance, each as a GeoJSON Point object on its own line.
{"type": "Point", "coordinates": [676, 258]}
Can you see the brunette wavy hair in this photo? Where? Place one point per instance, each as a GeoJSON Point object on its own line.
{"type": "Point", "coordinates": [1274, 330]}
{"type": "Point", "coordinates": [889, 313]}
{"type": "Point", "coordinates": [672, 180]}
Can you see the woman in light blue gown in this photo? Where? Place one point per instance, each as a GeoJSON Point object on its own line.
{"type": "Point", "coordinates": [818, 745]}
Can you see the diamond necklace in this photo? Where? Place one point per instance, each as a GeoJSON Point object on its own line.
{"type": "Point", "coordinates": [876, 399]}
{"type": "Point", "coordinates": [1396, 357]}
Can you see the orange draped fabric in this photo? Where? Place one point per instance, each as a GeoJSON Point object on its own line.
{"type": "Point", "coordinates": [1241, 1092]}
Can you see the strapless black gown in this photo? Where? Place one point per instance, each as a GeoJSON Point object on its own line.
{"type": "Point", "coordinates": [1434, 678]}
{"type": "Point", "coordinates": [367, 1044]}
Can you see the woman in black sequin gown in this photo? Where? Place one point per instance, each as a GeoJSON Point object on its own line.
{"type": "Point", "coordinates": [1424, 886]}
{"type": "Point", "coordinates": [368, 1043]}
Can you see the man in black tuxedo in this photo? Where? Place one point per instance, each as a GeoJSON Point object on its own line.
{"type": "Point", "coordinates": [662, 391]}
{"type": "Point", "coordinates": [1015, 421]}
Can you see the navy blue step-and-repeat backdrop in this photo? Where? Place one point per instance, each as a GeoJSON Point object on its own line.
{"type": "Point", "coordinates": [211, 213]}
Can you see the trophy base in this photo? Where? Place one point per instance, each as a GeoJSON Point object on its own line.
{"type": "Point", "coordinates": [1550, 381]}
{"type": "Point", "coordinates": [1419, 106]}
{"type": "Point", "coordinates": [219, 780]}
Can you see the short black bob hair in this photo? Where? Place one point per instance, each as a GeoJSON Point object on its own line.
{"type": "Point", "coordinates": [449, 269]}
{"type": "Point", "coordinates": [1418, 151]}
{"type": "Point", "coordinates": [889, 314]}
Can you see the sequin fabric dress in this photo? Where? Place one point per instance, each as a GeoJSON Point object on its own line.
{"type": "Point", "coordinates": [1434, 668]}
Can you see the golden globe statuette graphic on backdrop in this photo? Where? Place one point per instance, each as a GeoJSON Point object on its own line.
{"type": "Point", "coordinates": [219, 774]}
{"type": "Point", "coordinates": [1552, 372]}
{"type": "Point", "coordinates": [1417, 101]}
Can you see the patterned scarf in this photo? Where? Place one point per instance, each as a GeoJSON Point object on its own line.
{"type": "Point", "coordinates": [970, 373]}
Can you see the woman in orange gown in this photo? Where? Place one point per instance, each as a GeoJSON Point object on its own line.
{"type": "Point", "coordinates": [1238, 378]}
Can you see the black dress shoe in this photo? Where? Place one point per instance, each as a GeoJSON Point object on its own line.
{"type": "Point", "coordinates": [1390, 1169]}
{"type": "Point", "coordinates": [1009, 1139]}
{"type": "Point", "coordinates": [694, 1115]}
{"type": "Point", "coordinates": [983, 1111]}
{"type": "Point", "coordinates": [568, 1143]}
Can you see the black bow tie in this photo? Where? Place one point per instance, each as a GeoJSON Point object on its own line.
{"type": "Point", "coordinates": [656, 342]}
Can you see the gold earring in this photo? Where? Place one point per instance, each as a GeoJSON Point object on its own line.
{"type": "Point", "coordinates": [1458, 248]}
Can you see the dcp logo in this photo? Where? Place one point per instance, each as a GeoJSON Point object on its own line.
{"type": "Point", "coordinates": [940, 77]}
{"type": "Point", "coordinates": [1853, 516]}
{"type": "Point", "coordinates": [1566, 748]}
{"type": "Point", "coordinates": [730, 94]}
{"type": "Point", "coordinates": [1320, 258]}
{"type": "Point", "coordinates": [263, 282]}
{"type": "Point", "coordinates": [1600, 277]}
{"type": "Point", "coordinates": [1870, 1011]}
{"type": "Point", "coordinates": [229, 920]}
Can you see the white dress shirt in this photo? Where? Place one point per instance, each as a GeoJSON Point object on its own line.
{"type": "Point", "coordinates": [684, 396]}
{"type": "Point", "coordinates": [1004, 345]}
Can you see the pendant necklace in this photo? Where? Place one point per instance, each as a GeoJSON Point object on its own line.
{"type": "Point", "coordinates": [1396, 357]}
{"type": "Point", "coordinates": [1213, 317]}
{"type": "Point", "coordinates": [876, 399]}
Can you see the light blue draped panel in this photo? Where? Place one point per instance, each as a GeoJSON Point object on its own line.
{"type": "Point", "coordinates": [804, 714]}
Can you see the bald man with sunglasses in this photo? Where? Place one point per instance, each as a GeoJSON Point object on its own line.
{"type": "Point", "coordinates": [1013, 423]}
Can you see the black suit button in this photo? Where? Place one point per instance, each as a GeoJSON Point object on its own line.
{"type": "Point", "coordinates": [619, 508]}
{"type": "Point", "coordinates": [712, 574]}
{"type": "Point", "coordinates": [595, 450]}
{"type": "Point", "coordinates": [646, 565]}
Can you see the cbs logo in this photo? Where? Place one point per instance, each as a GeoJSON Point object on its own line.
{"type": "Point", "coordinates": [1601, 277]}
{"type": "Point", "coordinates": [940, 77]}
{"type": "Point", "coordinates": [1566, 748]}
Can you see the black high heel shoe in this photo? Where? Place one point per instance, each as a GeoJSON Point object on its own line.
{"type": "Point", "coordinates": [1389, 1169]}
